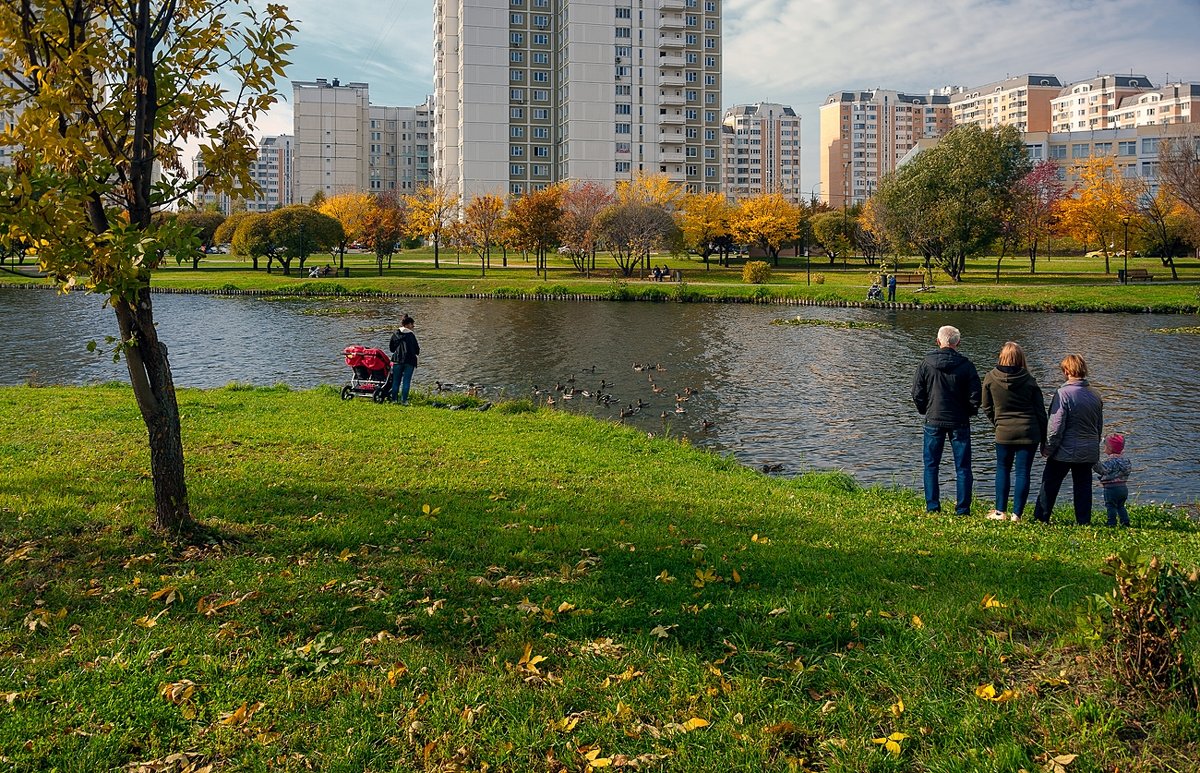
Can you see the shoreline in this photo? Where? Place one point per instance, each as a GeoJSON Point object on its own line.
{"type": "Point", "coordinates": [655, 294]}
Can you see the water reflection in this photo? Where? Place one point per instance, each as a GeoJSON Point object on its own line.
{"type": "Point", "coordinates": [803, 396]}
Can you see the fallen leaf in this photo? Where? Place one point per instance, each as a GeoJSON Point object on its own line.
{"type": "Point", "coordinates": [990, 601]}
{"type": "Point", "coordinates": [240, 715]}
{"type": "Point", "coordinates": [917, 623]}
{"type": "Point", "coordinates": [897, 708]}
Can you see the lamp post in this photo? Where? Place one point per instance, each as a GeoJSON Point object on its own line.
{"type": "Point", "coordinates": [845, 196]}
{"type": "Point", "coordinates": [1125, 275]}
{"type": "Point", "coordinates": [812, 201]}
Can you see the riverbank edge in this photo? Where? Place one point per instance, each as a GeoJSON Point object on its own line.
{"type": "Point", "coordinates": [657, 295]}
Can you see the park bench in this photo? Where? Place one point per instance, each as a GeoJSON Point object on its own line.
{"type": "Point", "coordinates": [1138, 275]}
{"type": "Point", "coordinates": [910, 279]}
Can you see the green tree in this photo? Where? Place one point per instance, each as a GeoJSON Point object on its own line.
{"type": "Point", "coordinates": [298, 231]}
{"type": "Point", "coordinates": [252, 238]}
{"type": "Point", "coordinates": [204, 225]}
{"type": "Point", "coordinates": [103, 94]}
{"type": "Point", "coordinates": [832, 232]}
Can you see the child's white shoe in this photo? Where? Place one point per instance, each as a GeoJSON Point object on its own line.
{"type": "Point", "coordinates": [996, 515]}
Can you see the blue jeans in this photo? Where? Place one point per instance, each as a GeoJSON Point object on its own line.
{"type": "Point", "coordinates": [1115, 496]}
{"type": "Point", "coordinates": [1010, 458]}
{"type": "Point", "coordinates": [1081, 487]}
{"type": "Point", "coordinates": [401, 380]}
{"type": "Point", "coordinates": [960, 446]}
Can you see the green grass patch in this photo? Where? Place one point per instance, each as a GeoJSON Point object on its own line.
{"type": "Point", "coordinates": [834, 323]}
{"type": "Point", "coordinates": [414, 588]}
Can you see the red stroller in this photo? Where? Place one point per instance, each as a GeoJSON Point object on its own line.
{"type": "Point", "coordinates": [371, 373]}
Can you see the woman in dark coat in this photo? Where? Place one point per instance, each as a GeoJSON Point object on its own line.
{"type": "Point", "coordinates": [1072, 441]}
{"type": "Point", "coordinates": [1014, 404]}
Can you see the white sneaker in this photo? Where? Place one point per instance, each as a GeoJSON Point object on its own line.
{"type": "Point", "coordinates": [996, 515]}
{"type": "Point", "coordinates": [1014, 517]}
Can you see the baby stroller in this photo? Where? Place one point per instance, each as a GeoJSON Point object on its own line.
{"type": "Point", "coordinates": [371, 373]}
{"type": "Point", "coordinates": [875, 292]}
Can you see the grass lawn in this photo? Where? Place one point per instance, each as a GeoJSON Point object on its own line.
{"type": "Point", "coordinates": [1066, 283]}
{"type": "Point", "coordinates": [390, 588]}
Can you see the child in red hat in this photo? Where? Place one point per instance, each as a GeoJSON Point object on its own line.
{"type": "Point", "coordinates": [1114, 472]}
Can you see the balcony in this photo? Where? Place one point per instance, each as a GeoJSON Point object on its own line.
{"type": "Point", "coordinates": [670, 157]}
{"type": "Point", "coordinates": [670, 21]}
{"type": "Point", "coordinates": [671, 59]}
{"type": "Point", "coordinates": [674, 119]}
{"type": "Point", "coordinates": [671, 98]}
{"type": "Point", "coordinates": [673, 137]}
{"type": "Point", "coordinates": [671, 5]}
{"type": "Point", "coordinates": [672, 41]}
{"type": "Point", "coordinates": [670, 79]}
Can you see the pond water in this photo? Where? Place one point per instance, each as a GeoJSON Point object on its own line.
{"type": "Point", "coordinates": [803, 397]}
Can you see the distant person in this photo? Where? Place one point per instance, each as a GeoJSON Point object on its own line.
{"type": "Point", "coordinates": [946, 391]}
{"type": "Point", "coordinates": [404, 348]}
{"type": "Point", "coordinates": [1013, 403]}
{"type": "Point", "coordinates": [1072, 442]}
{"type": "Point", "coordinates": [1114, 472]}
{"type": "Point", "coordinates": [875, 292]}
{"type": "Point", "coordinates": [891, 284]}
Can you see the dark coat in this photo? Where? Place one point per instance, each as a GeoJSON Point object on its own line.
{"type": "Point", "coordinates": [946, 389]}
{"type": "Point", "coordinates": [1013, 402]}
{"type": "Point", "coordinates": [411, 347]}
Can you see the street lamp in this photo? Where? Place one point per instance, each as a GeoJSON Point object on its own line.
{"type": "Point", "coordinates": [845, 196]}
{"type": "Point", "coordinates": [1125, 275]}
{"type": "Point", "coordinates": [812, 201]}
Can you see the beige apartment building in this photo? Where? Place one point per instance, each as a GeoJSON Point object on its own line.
{"type": "Point", "coordinates": [1022, 101]}
{"type": "Point", "coordinates": [760, 151]}
{"type": "Point", "coordinates": [865, 133]}
{"type": "Point", "coordinates": [1134, 149]}
{"type": "Point", "coordinates": [531, 92]}
{"type": "Point", "coordinates": [1086, 105]}
{"type": "Point", "coordinates": [1173, 103]}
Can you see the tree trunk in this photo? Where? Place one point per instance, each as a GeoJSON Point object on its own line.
{"type": "Point", "coordinates": [436, 254]}
{"type": "Point", "coordinates": [154, 390]}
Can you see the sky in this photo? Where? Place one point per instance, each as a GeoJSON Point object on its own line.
{"type": "Point", "coordinates": [798, 52]}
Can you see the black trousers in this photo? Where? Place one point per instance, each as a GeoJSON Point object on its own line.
{"type": "Point", "coordinates": [1081, 485]}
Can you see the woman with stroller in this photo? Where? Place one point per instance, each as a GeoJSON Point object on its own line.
{"type": "Point", "coordinates": [1013, 403]}
{"type": "Point", "coordinates": [404, 349]}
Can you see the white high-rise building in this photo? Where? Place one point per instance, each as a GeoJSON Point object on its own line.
{"type": "Point", "coordinates": [332, 126]}
{"type": "Point", "coordinates": [761, 151]}
{"type": "Point", "coordinates": [530, 92]}
{"type": "Point", "coordinates": [272, 170]}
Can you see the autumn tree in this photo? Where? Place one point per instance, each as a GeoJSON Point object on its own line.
{"type": "Point", "coordinates": [102, 95]}
{"type": "Point", "coordinates": [705, 221]}
{"type": "Point", "coordinates": [1095, 210]}
{"type": "Point", "coordinates": [349, 209]}
{"type": "Point", "coordinates": [1036, 197]}
{"type": "Point", "coordinates": [481, 226]}
{"type": "Point", "coordinates": [631, 231]}
{"type": "Point", "coordinates": [652, 189]}
{"type": "Point", "coordinates": [533, 221]}
{"type": "Point", "coordinates": [833, 232]}
{"type": "Point", "coordinates": [1163, 222]}
{"type": "Point", "coordinates": [431, 209]}
{"type": "Point", "coordinates": [383, 227]}
{"type": "Point", "coordinates": [1179, 169]}
{"type": "Point", "coordinates": [582, 203]}
{"type": "Point", "coordinates": [767, 220]}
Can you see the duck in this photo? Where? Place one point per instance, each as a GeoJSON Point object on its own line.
{"type": "Point", "coordinates": [772, 467]}
{"type": "Point", "coordinates": [638, 368]}
{"type": "Point", "coordinates": [680, 409]}
{"type": "Point", "coordinates": [627, 412]}
{"type": "Point", "coordinates": [549, 400]}
{"type": "Point", "coordinates": [657, 389]}
{"type": "Point", "coordinates": [706, 424]}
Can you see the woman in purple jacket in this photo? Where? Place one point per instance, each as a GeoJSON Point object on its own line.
{"type": "Point", "coordinates": [1072, 441]}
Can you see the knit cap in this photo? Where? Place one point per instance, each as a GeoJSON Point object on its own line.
{"type": "Point", "coordinates": [1116, 443]}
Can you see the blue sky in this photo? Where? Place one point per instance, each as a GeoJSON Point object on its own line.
{"type": "Point", "coordinates": [799, 51]}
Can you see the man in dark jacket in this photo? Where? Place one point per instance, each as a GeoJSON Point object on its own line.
{"type": "Point", "coordinates": [947, 392]}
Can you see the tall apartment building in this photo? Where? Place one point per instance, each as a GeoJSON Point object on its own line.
{"type": "Point", "coordinates": [1173, 103]}
{"type": "Point", "coordinates": [1134, 149]}
{"type": "Point", "coordinates": [345, 144]}
{"type": "Point", "coordinates": [271, 170]}
{"type": "Point", "coordinates": [864, 134]}
{"type": "Point", "coordinates": [531, 92]}
{"type": "Point", "coordinates": [1086, 105]}
{"type": "Point", "coordinates": [760, 151]}
{"type": "Point", "coordinates": [1022, 101]}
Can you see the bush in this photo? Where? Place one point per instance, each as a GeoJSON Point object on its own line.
{"type": "Point", "coordinates": [1150, 612]}
{"type": "Point", "coordinates": [524, 405]}
{"type": "Point", "coordinates": [618, 290]}
{"type": "Point", "coordinates": [755, 272]}
{"type": "Point", "coordinates": [818, 279]}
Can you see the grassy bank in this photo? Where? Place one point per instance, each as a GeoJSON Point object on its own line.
{"type": "Point", "coordinates": [1061, 283]}
{"type": "Point", "coordinates": [421, 589]}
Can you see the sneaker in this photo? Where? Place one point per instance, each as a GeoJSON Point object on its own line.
{"type": "Point", "coordinates": [996, 515]}
{"type": "Point", "coordinates": [1014, 517]}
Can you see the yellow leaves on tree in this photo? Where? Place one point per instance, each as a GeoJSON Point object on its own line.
{"type": "Point", "coordinates": [768, 220]}
{"type": "Point", "coordinates": [1094, 211]}
{"type": "Point", "coordinates": [352, 211]}
{"type": "Point", "coordinates": [654, 190]}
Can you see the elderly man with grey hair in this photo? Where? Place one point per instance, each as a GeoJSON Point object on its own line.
{"type": "Point", "coordinates": [947, 393]}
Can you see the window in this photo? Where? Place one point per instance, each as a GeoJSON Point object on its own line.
{"type": "Point", "coordinates": [541, 95]}
{"type": "Point", "coordinates": [516, 56]}
{"type": "Point", "coordinates": [516, 131]}
{"type": "Point", "coordinates": [710, 25]}
{"type": "Point", "coordinates": [622, 32]}
{"type": "Point", "coordinates": [1058, 151]}
{"type": "Point", "coordinates": [517, 95]}
{"type": "Point", "coordinates": [690, 39]}
{"type": "Point", "coordinates": [691, 152]}
{"type": "Point", "coordinates": [541, 76]}
{"type": "Point", "coordinates": [1103, 148]}
{"type": "Point", "coordinates": [623, 128]}
{"type": "Point", "coordinates": [516, 151]}
{"type": "Point", "coordinates": [624, 13]}
{"type": "Point", "coordinates": [541, 22]}
{"type": "Point", "coordinates": [516, 170]}
{"type": "Point", "coordinates": [1149, 146]}
{"type": "Point", "coordinates": [541, 57]}
{"type": "Point", "coordinates": [691, 21]}
{"type": "Point", "coordinates": [691, 57]}
{"type": "Point", "coordinates": [541, 151]}
{"type": "Point", "coordinates": [710, 43]}
{"type": "Point", "coordinates": [541, 170]}
{"type": "Point", "coordinates": [710, 61]}
{"type": "Point", "coordinates": [516, 38]}
{"type": "Point", "coordinates": [541, 114]}
{"type": "Point", "coordinates": [541, 132]}
{"type": "Point", "coordinates": [691, 77]}
{"type": "Point", "coordinates": [622, 166]}
{"type": "Point", "coordinates": [691, 132]}
{"type": "Point", "coordinates": [710, 153]}
{"type": "Point", "coordinates": [516, 18]}
{"type": "Point", "coordinates": [691, 95]}
{"type": "Point", "coordinates": [710, 80]}
{"type": "Point", "coordinates": [516, 75]}
{"type": "Point", "coordinates": [710, 98]}
{"type": "Point", "coordinates": [1127, 148]}
{"type": "Point", "coordinates": [710, 116]}
{"type": "Point", "coordinates": [541, 39]}
{"type": "Point", "coordinates": [623, 109]}
{"type": "Point", "coordinates": [516, 112]}
{"type": "Point", "coordinates": [710, 134]}
{"type": "Point", "coordinates": [710, 172]}
{"type": "Point", "coordinates": [1079, 150]}
{"type": "Point", "coordinates": [516, 189]}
